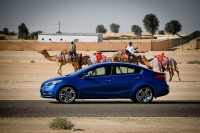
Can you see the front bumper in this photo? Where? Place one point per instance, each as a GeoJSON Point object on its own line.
{"type": "Point", "coordinates": [46, 91]}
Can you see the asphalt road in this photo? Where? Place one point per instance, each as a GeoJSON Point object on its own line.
{"type": "Point", "coordinates": [98, 108]}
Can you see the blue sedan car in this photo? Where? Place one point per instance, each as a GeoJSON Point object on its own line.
{"type": "Point", "coordinates": [106, 81]}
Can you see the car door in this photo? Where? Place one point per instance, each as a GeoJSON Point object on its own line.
{"type": "Point", "coordinates": [125, 79]}
{"type": "Point", "coordinates": [98, 84]}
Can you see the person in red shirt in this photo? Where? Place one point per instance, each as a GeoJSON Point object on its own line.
{"type": "Point", "coordinates": [99, 56]}
{"type": "Point", "coordinates": [160, 58]}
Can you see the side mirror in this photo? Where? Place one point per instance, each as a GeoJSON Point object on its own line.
{"type": "Point", "coordinates": [86, 76]}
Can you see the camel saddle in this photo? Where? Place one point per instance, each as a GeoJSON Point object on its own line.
{"type": "Point", "coordinates": [161, 59]}
{"type": "Point", "coordinates": [62, 56]}
{"type": "Point", "coordinates": [73, 59]}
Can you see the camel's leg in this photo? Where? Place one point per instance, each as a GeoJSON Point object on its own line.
{"type": "Point", "coordinates": [58, 72]}
{"type": "Point", "coordinates": [112, 59]}
{"type": "Point", "coordinates": [170, 74]}
{"type": "Point", "coordinates": [135, 60]}
{"type": "Point", "coordinates": [79, 66]}
{"type": "Point", "coordinates": [59, 69]}
{"type": "Point", "coordinates": [75, 67]}
{"type": "Point", "coordinates": [177, 73]}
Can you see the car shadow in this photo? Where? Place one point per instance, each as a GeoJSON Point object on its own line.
{"type": "Point", "coordinates": [131, 102]}
{"type": "Point", "coordinates": [183, 81]}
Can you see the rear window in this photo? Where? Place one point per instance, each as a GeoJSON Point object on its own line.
{"type": "Point", "coordinates": [126, 70]}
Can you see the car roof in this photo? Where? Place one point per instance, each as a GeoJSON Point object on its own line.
{"type": "Point", "coordinates": [105, 64]}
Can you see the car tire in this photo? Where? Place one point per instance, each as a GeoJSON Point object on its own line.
{"type": "Point", "coordinates": [144, 94]}
{"type": "Point", "coordinates": [67, 95]}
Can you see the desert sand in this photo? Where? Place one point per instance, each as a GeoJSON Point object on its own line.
{"type": "Point", "coordinates": [22, 72]}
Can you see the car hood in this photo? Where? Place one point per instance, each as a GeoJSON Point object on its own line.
{"type": "Point", "coordinates": [57, 78]}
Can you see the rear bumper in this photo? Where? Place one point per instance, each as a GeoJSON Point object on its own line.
{"type": "Point", "coordinates": [163, 91]}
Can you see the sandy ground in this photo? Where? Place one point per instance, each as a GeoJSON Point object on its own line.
{"type": "Point", "coordinates": [22, 72]}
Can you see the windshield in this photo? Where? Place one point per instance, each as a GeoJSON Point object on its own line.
{"type": "Point", "coordinates": [68, 75]}
{"type": "Point", "coordinates": [79, 71]}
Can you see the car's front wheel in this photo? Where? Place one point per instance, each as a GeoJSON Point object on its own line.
{"type": "Point", "coordinates": [144, 95]}
{"type": "Point", "coordinates": [67, 95]}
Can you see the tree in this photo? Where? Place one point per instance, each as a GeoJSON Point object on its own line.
{"type": "Point", "coordinates": [12, 33]}
{"type": "Point", "coordinates": [151, 23]}
{"type": "Point", "coordinates": [5, 31]}
{"type": "Point", "coordinates": [114, 28]}
{"type": "Point", "coordinates": [136, 29]}
{"type": "Point", "coordinates": [173, 27]}
{"type": "Point", "coordinates": [161, 32]}
{"type": "Point", "coordinates": [35, 34]}
{"type": "Point", "coordinates": [23, 30]}
{"type": "Point", "coordinates": [101, 29]}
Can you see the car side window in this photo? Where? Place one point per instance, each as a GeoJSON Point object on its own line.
{"type": "Point", "coordinates": [101, 71]}
{"type": "Point", "coordinates": [126, 70]}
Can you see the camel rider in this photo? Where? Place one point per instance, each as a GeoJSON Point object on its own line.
{"type": "Point", "coordinates": [72, 51]}
{"type": "Point", "coordinates": [160, 58]}
{"type": "Point", "coordinates": [99, 56]}
{"type": "Point", "coordinates": [130, 51]}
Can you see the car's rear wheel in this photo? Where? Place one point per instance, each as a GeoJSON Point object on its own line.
{"type": "Point", "coordinates": [67, 95]}
{"type": "Point", "coordinates": [144, 94]}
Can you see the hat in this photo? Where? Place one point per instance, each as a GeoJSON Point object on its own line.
{"type": "Point", "coordinates": [98, 52]}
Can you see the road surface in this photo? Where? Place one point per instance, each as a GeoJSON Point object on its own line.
{"type": "Point", "coordinates": [98, 108]}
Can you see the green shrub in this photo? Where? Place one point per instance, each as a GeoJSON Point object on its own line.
{"type": "Point", "coordinates": [61, 123]}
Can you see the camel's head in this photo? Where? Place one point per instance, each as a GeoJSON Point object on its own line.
{"type": "Point", "coordinates": [42, 51]}
{"type": "Point", "coordinates": [122, 51]}
{"type": "Point", "coordinates": [141, 59]}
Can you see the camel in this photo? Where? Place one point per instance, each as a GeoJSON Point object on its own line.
{"type": "Point", "coordinates": [168, 63]}
{"type": "Point", "coordinates": [87, 60]}
{"type": "Point", "coordinates": [75, 64]}
{"type": "Point", "coordinates": [121, 56]}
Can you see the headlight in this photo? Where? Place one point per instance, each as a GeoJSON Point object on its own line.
{"type": "Point", "coordinates": [53, 82]}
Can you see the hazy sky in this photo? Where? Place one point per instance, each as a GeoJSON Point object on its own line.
{"type": "Point", "coordinates": [83, 16]}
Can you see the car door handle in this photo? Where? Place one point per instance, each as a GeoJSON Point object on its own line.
{"type": "Point", "coordinates": [136, 78]}
{"type": "Point", "coordinates": [108, 80]}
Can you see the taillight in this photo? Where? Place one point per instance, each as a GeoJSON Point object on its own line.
{"type": "Point", "coordinates": [160, 76]}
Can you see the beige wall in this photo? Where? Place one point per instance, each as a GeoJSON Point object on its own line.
{"type": "Point", "coordinates": [161, 45]}
{"type": "Point", "coordinates": [30, 45]}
